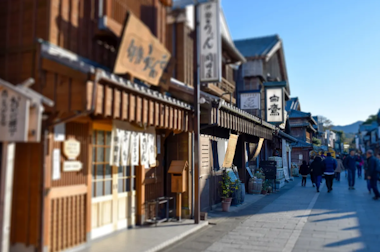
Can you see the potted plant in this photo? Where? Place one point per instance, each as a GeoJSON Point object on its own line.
{"type": "Point", "coordinates": [228, 188]}
{"type": "Point", "coordinates": [269, 187]}
{"type": "Point", "coordinates": [264, 189]}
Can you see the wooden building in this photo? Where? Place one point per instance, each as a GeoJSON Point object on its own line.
{"type": "Point", "coordinates": [70, 188]}
{"type": "Point", "coordinates": [220, 116]}
{"type": "Point", "coordinates": [302, 127]}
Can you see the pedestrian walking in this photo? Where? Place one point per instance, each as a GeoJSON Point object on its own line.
{"type": "Point", "coordinates": [350, 165]}
{"type": "Point", "coordinates": [329, 165]}
{"type": "Point", "coordinates": [339, 168]}
{"type": "Point", "coordinates": [366, 175]}
{"type": "Point", "coordinates": [304, 171]}
{"type": "Point", "coordinates": [311, 171]}
{"type": "Point", "coordinates": [359, 164]}
{"type": "Point", "coordinates": [317, 167]}
{"type": "Point", "coordinates": [372, 173]}
{"type": "Point", "coordinates": [323, 155]}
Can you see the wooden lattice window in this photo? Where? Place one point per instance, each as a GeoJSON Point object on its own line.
{"type": "Point", "coordinates": [101, 169]}
{"type": "Point", "coordinates": [127, 179]}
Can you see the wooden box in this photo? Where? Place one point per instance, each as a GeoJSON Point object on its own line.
{"type": "Point", "coordinates": [178, 171]}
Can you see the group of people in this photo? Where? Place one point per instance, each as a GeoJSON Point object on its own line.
{"type": "Point", "coordinates": [327, 167]}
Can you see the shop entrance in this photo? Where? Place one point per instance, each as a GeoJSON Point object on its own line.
{"type": "Point", "coordinates": [113, 188]}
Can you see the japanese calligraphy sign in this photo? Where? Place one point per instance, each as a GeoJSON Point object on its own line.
{"type": "Point", "coordinates": [14, 116]}
{"type": "Point", "coordinates": [209, 42]}
{"type": "Point", "coordinates": [71, 148]}
{"type": "Point", "coordinates": [117, 136]}
{"type": "Point", "coordinates": [140, 53]}
{"type": "Point", "coordinates": [275, 105]}
{"type": "Point", "coordinates": [250, 100]}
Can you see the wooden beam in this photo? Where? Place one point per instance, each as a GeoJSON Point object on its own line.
{"type": "Point", "coordinates": [67, 191]}
{"type": "Point", "coordinates": [55, 67]}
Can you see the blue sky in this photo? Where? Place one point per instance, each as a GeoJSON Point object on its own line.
{"type": "Point", "coordinates": [332, 50]}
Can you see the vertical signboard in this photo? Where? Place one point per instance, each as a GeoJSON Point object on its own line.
{"type": "Point", "coordinates": [209, 42]}
{"type": "Point", "coordinates": [275, 105]}
{"type": "Point", "coordinates": [14, 116]}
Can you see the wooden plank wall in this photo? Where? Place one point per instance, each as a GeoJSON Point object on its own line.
{"type": "Point", "coordinates": [21, 22]}
{"type": "Point", "coordinates": [26, 198]}
{"type": "Point", "coordinates": [69, 94]}
{"type": "Point", "coordinates": [79, 132]}
{"type": "Point", "coordinates": [177, 148]}
{"type": "Point", "coordinates": [183, 51]}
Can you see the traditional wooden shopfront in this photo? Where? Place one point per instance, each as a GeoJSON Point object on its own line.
{"type": "Point", "coordinates": [99, 198]}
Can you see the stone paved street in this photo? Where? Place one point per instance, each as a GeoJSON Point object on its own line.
{"type": "Point", "coordinates": [296, 219]}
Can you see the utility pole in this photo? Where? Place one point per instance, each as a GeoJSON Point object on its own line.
{"type": "Point", "coordinates": [197, 207]}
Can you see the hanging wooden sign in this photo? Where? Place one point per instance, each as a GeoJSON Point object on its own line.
{"type": "Point", "coordinates": [69, 166]}
{"type": "Point", "coordinates": [71, 148]}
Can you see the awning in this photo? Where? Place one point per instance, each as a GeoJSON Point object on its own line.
{"type": "Point", "coordinates": [228, 116]}
{"type": "Point", "coordinates": [116, 97]}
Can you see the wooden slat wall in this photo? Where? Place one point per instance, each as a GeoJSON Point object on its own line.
{"type": "Point", "coordinates": [68, 94]}
{"type": "Point", "coordinates": [79, 132]}
{"type": "Point", "coordinates": [235, 122]}
{"type": "Point", "coordinates": [139, 109]}
{"type": "Point", "coordinates": [183, 53]}
{"type": "Point", "coordinates": [67, 222]}
{"type": "Point", "coordinates": [21, 22]}
{"type": "Point", "coordinates": [26, 194]}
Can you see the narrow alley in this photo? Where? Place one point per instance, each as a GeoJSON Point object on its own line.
{"type": "Point", "coordinates": [296, 219]}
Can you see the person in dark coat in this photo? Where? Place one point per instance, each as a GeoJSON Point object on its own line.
{"type": "Point", "coordinates": [372, 173]}
{"type": "Point", "coordinates": [311, 171]}
{"type": "Point", "coordinates": [304, 171]}
{"type": "Point", "coordinates": [317, 167]}
{"type": "Point", "coordinates": [330, 165]}
{"type": "Point", "coordinates": [350, 165]}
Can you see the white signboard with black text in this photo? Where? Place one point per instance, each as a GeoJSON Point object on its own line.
{"type": "Point", "coordinates": [14, 116]}
{"type": "Point", "coordinates": [209, 42]}
{"type": "Point", "coordinates": [250, 100]}
{"type": "Point", "coordinates": [275, 105]}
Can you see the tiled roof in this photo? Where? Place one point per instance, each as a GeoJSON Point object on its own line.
{"type": "Point", "coordinates": [74, 61]}
{"type": "Point", "coordinates": [298, 114]}
{"type": "Point", "coordinates": [292, 104]}
{"type": "Point", "coordinates": [256, 47]}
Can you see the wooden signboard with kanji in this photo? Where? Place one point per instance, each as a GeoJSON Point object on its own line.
{"type": "Point", "coordinates": [140, 53]}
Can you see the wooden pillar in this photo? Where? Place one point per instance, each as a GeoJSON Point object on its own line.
{"type": "Point", "coordinates": [179, 205]}
{"type": "Point", "coordinates": [6, 188]}
{"type": "Point", "coordinates": [140, 191]}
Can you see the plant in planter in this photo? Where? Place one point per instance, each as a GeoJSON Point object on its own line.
{"type": "Point", "coordinates": [264, 189]}
{"type": "Point", "coordinates": [228, 188]}
{"type": "Point", "coordinates": [269, 186]}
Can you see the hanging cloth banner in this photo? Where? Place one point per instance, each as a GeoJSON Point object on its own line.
{"type": "Point", "coordinates": [144, 154]}
{"type": "Point", "coordinates": [135, 148]}
{"type": "Point", "coordinates": [285, 160]}
{"type": "Point", "coordinates": [115, 147]}
{"type": "Point", "coordinates": [222, 148]}
{"type": "Point", "coordinates": [125, 146]}
{"type": "Point", "coordinates": [152, 149]}
{"type": "Point", "coordinates": [230, 154]}
{"type": "Point", "coordinates": [259, 146]}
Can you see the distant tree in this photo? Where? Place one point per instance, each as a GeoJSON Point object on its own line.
{"type": "Point", "coordinates": [317, 141]}
{"type": "Point", "coordinates": [327, 123]}
{"type": "Point", "coordinates": [371, 119]}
